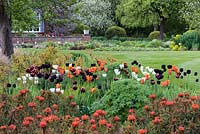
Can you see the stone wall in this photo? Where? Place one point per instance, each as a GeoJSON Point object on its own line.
{"type": "Point", "coordinates": [19, 40]}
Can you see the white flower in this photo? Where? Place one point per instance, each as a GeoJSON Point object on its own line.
{"type": "Point", "coordinates": [104, 75]}
{"type": "Point", "coordinates": [19, 78]}
{"type": "Point", "coordinates": [57, 89]}
{"type": "Point", "coordinates": [141, 68]}
{"type": "Point", "coordinates": [28, 75]}
{"type": "Point", "coordinates": [52, 90]}
{"type": "Point", "coordinates": [24, 78]}
{"type": "Point", "coordinates": [121, 66]}
{"type": "Point", "coordinates": [53, 71]}
{"type": "Point", "coordinates": [117, 72]}
{"type": "Point", "coordinates": [66, 71]}
{"type": "Point", "coordinates": [36, 78]}
{"type": "Point", "coordinates": [57, 75]}
{"type": "Point", "coordinates": [70, 65]}
{"type": "Point", "coordinates": [134, 75]}
{"type": "Point", "coordinates": [138, 79]}
{"type": "Point", "coordinates": [153, 72]}
{"type": "Point", "coordinates": [30, 78]}
{"type": "Point", "coordinates": [62, 91]}
{"type": "Point", "coordinates": [55, 67]}
{"type": "Point", "coordinates": [36, 82]}
{"type": "Point", "coordinates": [78, 67]}
{"type": "Point", "coordinates": [24, 81]}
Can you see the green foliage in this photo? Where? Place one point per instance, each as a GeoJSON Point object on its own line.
{"type": "Point", "coordinates": [156, 35]}
{"type": "Point", "coordinates": [115, 31]}
{"type": "Point", "coordinates": [123, 95]}
{"type": "Point", "coordinates": [189, 39]}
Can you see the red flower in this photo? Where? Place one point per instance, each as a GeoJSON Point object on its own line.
{"type": "Point", "coordinates": [94, 127]}
{"type": "Point", "coordinates": [195, 106]}
{"type": "Point", "coordinates": [32, 104]}
{"type": "Point", "coordinates": [12, 127]}
{"type": "Point", "coordinates": [146, 107]}
{"type": "Point", "coordinates": [131, 111]}
{"type": "Point", "coordinates": [55, 106]}
{"type": "Point", "coordinates": [169, 103]}
{"type": "Point", "coordinates": [75, 123]}
{"type": "Point", "coordinates": [142, 131]}
{"type": "Point", "coordinates": [152, 96]}
{"type": "Point", "coordinates": [96, 114]}
{"type": "Point", "coordinates": [47, 110]}
{"type": "Point", "coordinates": [180, 94]}
{"type": "Point", "coordinates": [3, 127]}
{"type": "Point", "coordinates": [131, 117]}
{"type": "Point", "coordinates": [156, 120]}
{"type": "Point", "coordinates": [92, 121]}
{"type": "Point", "coordinates": [39, 116]}
{"type": "Point", "coordinates": [109, 125]}
{"type": "Point", "coordinates": [71, 97]}
{"type": "Point", "coordinates": [84, 117]}
{"type": "Point", "coordinates": [73, 104]}
{"type": "Point", "coordinates": [101, 112]}
{"type": "Point", "coordinates": [116, 118]}
{"type": "Point", "coordinates": [40, 98]}
{"type": "Point", "coordinates": [67, 117]}
{"type": "Point", "coordinates": [26, 123]}
{"type": "Point", "coordinates": [24, 91]}
{"type": "Point", "coordinates": [194, 98]}
{"type": "Point", "coordinates": [43, 124]}
{"type": "Point", "coordinates": [29, 118]}
{"type": "Point", "coordinates": [181, 128]}
{"type": "Point", "coordinates": [152, 113]}
{"type": "Point", "coordinates": [102, 122]}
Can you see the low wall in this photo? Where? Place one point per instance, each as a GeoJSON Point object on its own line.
{"type": "Point", "coordinates": [19, 40]}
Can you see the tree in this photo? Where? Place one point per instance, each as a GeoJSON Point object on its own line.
{"type": "Point", "coordinates": [191, 13]}
{"type": "Point", "coordinates": [142, 13]}
{"type": "Point", "coordinates": [95, 13]}
{"type": "Point", "coordinates": [22, 12]}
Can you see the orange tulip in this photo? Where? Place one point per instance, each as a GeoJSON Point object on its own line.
{"type": "Point", "coordinates": [134, 69]}
{"type": "Point", "coordinates": [89, 78]}
{"type": "Point", "coordinates": [58, 85]}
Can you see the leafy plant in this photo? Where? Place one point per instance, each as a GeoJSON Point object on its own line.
{"type": "Point", "coordinates": [123, 95]}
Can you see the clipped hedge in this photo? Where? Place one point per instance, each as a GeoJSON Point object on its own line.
{"type": "Point", "coordinates": [115, 31]}
{"type": "Point", "coordinates": [156, 35]}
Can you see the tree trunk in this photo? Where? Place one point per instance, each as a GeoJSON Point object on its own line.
{"type": "Point", "coordinates": [5, 32]}
{"type": "Point", "coordinates": [161, 27]}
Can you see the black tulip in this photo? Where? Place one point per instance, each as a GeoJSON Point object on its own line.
{"type": "Point", "coordinates": [197, 80]}
{"type": "Point", "coordinates": [74, 87]}
{"type": "Point", "coordinates": [163, 67]}
{"type": "Point", "coordinates": [99, 86]}
{"type": "Point", "coordinates": [188, 71]}
{"type": "Point", "coordinates": [93, 65]}
{"type": "Point", "coordinates": [181, 77]}
{"type": "Point", "coordinates": [152, 82]}
{"type": "Point", "coordinates": [181, 69]}
{"type": "Point", "coordinates": [82, 90]}
{"type": "Point", "coordinates": [195, 73]}
{"type": "Point", "coordinates": [158, 82]}
{"type": "Point", "coordinates": [74, 82]}
{"type": "Point", "coordinates": [14, 85]}
{"type": "Point", "coordinates": [139, 65]}
{"type": "Point", "coordinates": [185, 73]}
{"type": "Point", "coordinates": [169, 66]}
{"type": "Point", "coordinates": [67, 64]}
{"type": "Point", "coordinates": [8, 85]}
{"type": "Point", "coordinates": [73, 64]}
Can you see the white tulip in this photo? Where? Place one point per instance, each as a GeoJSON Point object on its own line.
{"type": "Point", "coordinates": [121, 66]}
{"type": "Point", "coordinates": [62, 91]}
{"type": "Point", "coordinates": [55, 67]}
{"type": "Point", "coordinates": [36, 82]}
{"type": "Point", "coordinates": [24, 78]}
{"type": "Point", "coordinates": [52, 90]}
{"type": "Point", "coordinates": [24, 81]}
{"type": "Point", "coordinates": [117, 72]}
{"type": "Point", "coordinates": [57, 89]}
{"type": "Point", "coordinates": [30, 78]}
{"type": "Point", "coordinates": [36, 78]}
{"type": "Point", "coordinates": [19, 78]}
{"type": "Point", "coordinates": [54, 71]}
{"type": "Point", "coordinates": [104, 75]}
{"type": "Point", "coordinates": [28, 75]}
{"type": "Point", "coordinates": [78, 68]}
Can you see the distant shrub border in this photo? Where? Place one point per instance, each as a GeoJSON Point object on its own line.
{"type": "Point", "coordinates": [115, 31]}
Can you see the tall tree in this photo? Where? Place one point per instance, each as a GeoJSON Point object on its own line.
{"type": "Point", "coordinates": [96, 14]}
{"type": "Point", "coordinates": [142, 13]}
{"type": "Point", "coordinates": [191, 13]}
{"type": "Point", "coordinates": [22, 12]}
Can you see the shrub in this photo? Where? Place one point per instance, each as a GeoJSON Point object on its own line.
{"type": "Point", "coordinates": [123, 95]}
{"type": "Point", "coordinates": [189, 39]}
{"type": "Point", "coordinates": [115, 31]}
{"type": "Point", "coordinates": [156, 35]}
